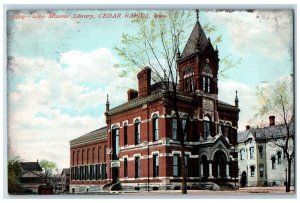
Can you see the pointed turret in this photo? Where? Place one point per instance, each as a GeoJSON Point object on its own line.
{"type": "Point", "coordinates": [107, 104]}
{"type": "Point", "coordinates": [236, 101]}
{"type": "Point", "coordinates": [197, 40]}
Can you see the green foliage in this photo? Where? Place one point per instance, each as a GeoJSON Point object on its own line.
{"type": "Point", "coordinates": [14, 173]}
{"type": "Point", "coordinates": [48, 167]}
{"type": "Point", "coordinates": [276, 99]}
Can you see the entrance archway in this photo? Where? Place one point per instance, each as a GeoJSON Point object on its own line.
{"type": "Point", "coordinates": [243, 180]}
{"type": "Point", "coordinates": [219, 165]}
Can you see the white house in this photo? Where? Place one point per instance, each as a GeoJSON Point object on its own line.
{"type": "Point", "coordinates": [261, 162]}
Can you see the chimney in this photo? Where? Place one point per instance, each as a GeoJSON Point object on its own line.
{"type": "Point", "coordinates": [144, 78]}
{"type": "Point", "coordinates": [272, 120]}
{"type": "Point", "coordinates": [131, 94]}
{"type": "Point", "coordinates": [247, 127]}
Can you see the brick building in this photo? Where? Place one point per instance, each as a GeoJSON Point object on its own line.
{"type": "Point", "coordinates": [142, 146]}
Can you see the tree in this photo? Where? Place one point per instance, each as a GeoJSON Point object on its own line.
{"type": "Point", "coordinates": [14, 173]}
{"type": "Point", "coordinates": [277, 100]}
{"type": "Point", "coordinates": [48, 168]}
{"type": "Point", "coordinates": [156, 45]}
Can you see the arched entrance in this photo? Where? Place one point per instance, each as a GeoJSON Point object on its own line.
{"type": "Point", "coordinates": [243, 180]}
{"type": "Point", "coordinates": [219, 165]}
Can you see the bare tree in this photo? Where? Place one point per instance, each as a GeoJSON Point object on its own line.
{"type": "Point", "coordinates": [156, 45]}
{"type": "Point", "coordinates": [278, 100]}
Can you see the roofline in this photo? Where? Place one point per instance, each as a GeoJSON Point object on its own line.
{"type": "Point", "coordinates": [86, 142]}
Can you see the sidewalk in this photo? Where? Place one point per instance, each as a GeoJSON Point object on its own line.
{"type": "Point", "coordinates": [241, 191]}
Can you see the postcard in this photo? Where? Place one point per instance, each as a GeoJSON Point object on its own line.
{"type": "Point", "coordinates": [150, 102]}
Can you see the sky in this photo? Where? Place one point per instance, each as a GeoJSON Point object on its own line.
{"type": "Point", "coordinates": [61, 69]}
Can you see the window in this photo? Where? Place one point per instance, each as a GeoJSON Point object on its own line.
{"type": "Point", "coordinates": [252, 169]}
{"type": "Point", "coordinates": [242, 154]}
{"type": "Point", "coordinates": [184, 128]}
{"type": "Point", "coordinates": [188, 76]}
{"type": "Point", "coordinates": [273, 159]}
{"type": "Point", "coordinates": [115, 142]}
{"type": "Point", "coordinates": [104, 171]}
{"type": "Point", "coordinates": [92, 172]}
{"type": "Point", "coordinates": [125, 168]}
{"type": "Point", "coordinates": [176, 165]}
{"type": "Point", "coordinates": [83, 173]}
{"type": "Point", "coordinates": [155, 165]}
{"type": "Point", "coordinates": [206, 84]}
{"type": "Point", "coordinates": [125, 133]}
{"type": "Point", "coordinates": [98, 172]}
{"type": "Point", "coordinates": [279, 157]}
{"type": "Point", "coordinates": [87, 172]}
{"type": "Point", "coordinates": [155, 127]}
{"type": "Point", "coordinates": [174, 128]}
{"type": "Point", "coordinates": [206, 123]}
{"type": "Point", "coordinates": [137, 126]}
{"type": "Point", "coordinates": [186, 164]}
{"type": "Point", "coordinates": [260, 151]}
{"type": "Point", "coordinates": [221, 127]}
{"type": "Point", "coordinates": [251, 152]}
{"type": "Point", "coordinates": [137, 167]}
{"type": "Point", "coordinates": [73, 173]}
{"type": "Point", "coordinates": [261, 170]}
{"type": "Point", "coordinates": [227, 131]}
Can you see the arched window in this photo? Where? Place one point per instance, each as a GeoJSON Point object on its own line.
{"type": "Point", "coordinates": [155, 127]}
{"type": "Point", "coordinates": [115, 141]}
{"type": "Point", "coordinates": [279, 157]}
{"type": "Point", "coordinates": [221, 127]}
{"type": "Point", "coordinates": [155, 165]}
{"type": "Point", "coordinates": [206, 124]}
{"type": "Point", "coordinates": [137, 127]}
{"type": "Point", "coordinates": [227, 131]}
{"type": "Point", "coordinates": [188, 76]}
{"type": "Point", "coordinates": [137, 167]}
{"type": "Point", "coordinates": [207, 78]}
{"type": "Point", "coordinates": [273, 159]}
{"type": "Point", "coordinates": [125, 128]}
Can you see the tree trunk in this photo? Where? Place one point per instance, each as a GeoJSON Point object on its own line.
{"type": "Point", "coordinates": [183, 174]}
{"type": "Point", "coordinates": [288, 181]}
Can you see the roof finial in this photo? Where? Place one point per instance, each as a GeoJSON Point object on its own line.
{"type": "Point", "coordinates": [107, 103]}
{"type": "Point", "coordinates": [197, 13]}
{"type": "Point", "coordinates": [236, 101]}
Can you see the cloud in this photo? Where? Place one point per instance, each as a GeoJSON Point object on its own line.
{"type": "Point", "coordinates": [261, 32]}
{"type": "Point", "coordinates": [246, 96]}
{"type": "Point", "coordinates": [51, 101]}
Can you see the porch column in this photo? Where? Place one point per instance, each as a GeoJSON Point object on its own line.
{"type": "Point", "coordinates": [201, 170]}
{"type": "Point", "coordinates": [227, 171]}
{"type": "Point", "coordinates": [218, 167]}
{"type": "Point", "coordinates": [210, 171]}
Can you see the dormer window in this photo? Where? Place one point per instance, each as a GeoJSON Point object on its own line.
{"type": "Point", "coordinates": [188, 76]}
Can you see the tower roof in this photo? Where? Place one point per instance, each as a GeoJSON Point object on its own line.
{"type": "Point", "coordinates": [197, 38]}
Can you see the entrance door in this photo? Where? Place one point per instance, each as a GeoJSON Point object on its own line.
{"type": "Point", "coordinates": [219, 165]}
